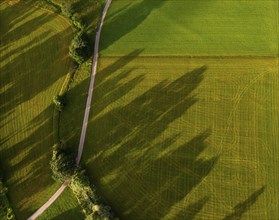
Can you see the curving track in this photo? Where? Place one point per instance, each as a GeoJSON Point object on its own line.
{"type": "Point", "coordinates": [86, 113]}
{"type": "Point", "coordinates": [91, 86]}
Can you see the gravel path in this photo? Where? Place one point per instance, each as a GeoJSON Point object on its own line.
{"type": "Point", "coordinates": [49, 202]}
{"type": "Point", "coordinates": [91, 87]}
{"type": "Point", "coordinates": [86, 114]}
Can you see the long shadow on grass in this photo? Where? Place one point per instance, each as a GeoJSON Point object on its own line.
{"type": "Point", "coordinates": [25, 164]}
{"type": "Point", "coordinates": [126, 20]}
{"type": "Point", "coordinates": [241, 208]}
{"type": "Point", "coordinates": [12, 33]}
{"type": "Point", "coordinates": [147, 171]}
{"type": "Point", "coordinates": [31, 73]}
{"type": "Point", "coordinates": [70, 214]}
{"type": "Point", "coordinates": [108, 88]}
{"type": "Point", "coordinates": [190, 211]}
{"type": "Point", "coordinates": [9, 19]}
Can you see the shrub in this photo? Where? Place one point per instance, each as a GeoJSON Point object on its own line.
{"type": "Point", "coordinates": [88, 198]}
{"type": "Point", "coordinates": [67, 10]}
{"type": "Point", "coordinates": [62, 165]}
{"type": "Point", "coordinates": [59, 102]}
{"type": "Point", "coordinates": [80, 49]}
{"type": "Point", "coordinates": [77, 22]}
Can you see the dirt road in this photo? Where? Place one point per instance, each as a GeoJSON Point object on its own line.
{"type": "Point", "coordinates": [86, 113]}
{"type": "Point", "coordinates": [91, 86]}
{"type": "Point", "coordinates": [49, 202]}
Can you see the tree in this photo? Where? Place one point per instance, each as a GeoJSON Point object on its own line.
{"type": "Point", "coordinates": [59, 102]}
{"type": "Point", "coordinates": [62, 165]}
{"type": "Point", "coordinates": [80, 48]}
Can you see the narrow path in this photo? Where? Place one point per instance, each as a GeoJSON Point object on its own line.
{"type": "Point", "coordinates": [49, 202]}
{"type": "Point", "coordinates": [91, 86]}
{"type": "Point", "coordinates": [86, 113]}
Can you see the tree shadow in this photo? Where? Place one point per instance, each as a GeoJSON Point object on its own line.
{"type": "Point", "coordinates": [70, 214]}
{"type": "Point", "coordinates": [19, 50]}
{"type": "Point", "coordinates": [28, 159]}
{"type": "Point", "coordinates": [145, 172]}
{"type": "Point", "coordinates": [29, 73]}
{"type": "Point", "coordinates": [106, 78]}
{"type": "Point", "coordinates": [11, 19]}
{"type": "Point", "coordinates": [192, 209]}
{"type": "Point", "coordinates": [129, 19]}
{"type": "Point", "coordinates": [171, 187]}
{"type": "Point", "coordinates": [12, 32]}
{"type": "Point", "coordinates": [152, 111]}
{"type": "Point", "coordinates": [241, 208]}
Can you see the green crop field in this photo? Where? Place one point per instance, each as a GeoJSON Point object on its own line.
{"type": "Point", "coordinates": [34, 64]}
{"type": "Point", "coordinates": [175, 137]}
{"type": "Point", "coordinates": [192, 27]}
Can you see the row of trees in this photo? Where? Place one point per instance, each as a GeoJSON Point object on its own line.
{"type": "Point", "coordinates": [63, 162]}
{"type": "Point", "coordinates": [64, 168]}
{"type": "Point", "coordinates": [79, 49]}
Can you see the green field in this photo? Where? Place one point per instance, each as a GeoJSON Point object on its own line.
{"type": "Point", "coordinates": [65, 207]}
{"type": "Point", "coordinates": [192, 27]}
{"type": "Point", "coordinates": [184, 120]}
{"type": "Point", "coordinates": [34, 64]}
{"type": "Point", "coordinates": [175, 137]}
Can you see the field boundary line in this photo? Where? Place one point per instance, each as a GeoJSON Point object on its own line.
{"type": "Point", "coordinates": [194, 57]}
{"type": "Point", "coordinates": [53, 198]}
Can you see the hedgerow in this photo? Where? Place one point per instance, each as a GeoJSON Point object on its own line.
{"type": "Point", "coordinates": [6, 212]}
{"type": "Point", "coordinates": [63, 163]}
{"type": "Point", "coordinates": [64, 169]}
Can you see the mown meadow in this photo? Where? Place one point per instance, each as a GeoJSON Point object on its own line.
{"type": "Point", "coordinates": [34, 65]}
{"type": "Point", "coordinates": [184, 117]}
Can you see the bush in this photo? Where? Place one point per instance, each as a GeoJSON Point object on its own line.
{"type": "Point", "coordinates": [59, 102]}
{"type": "Point", "coordinates": [80, 49]}
{"type": "Point", "coordinates": [88, 198]}
{"type": "Point", "coordinates": [77, 22]}
{"type": "Point", "coordinates": [67, 10]}
{"type": "Point", "coordinates": [62, 165]}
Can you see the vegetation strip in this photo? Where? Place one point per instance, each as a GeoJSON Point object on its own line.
{"type": "Point", "coordinates": [33, 39]}
{"type": "Point", "coordinates": [62, 163]}
{"type": "Point", "coordinates": [6, 211]}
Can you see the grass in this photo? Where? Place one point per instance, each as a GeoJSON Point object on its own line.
{"type": "Point", "coordinates": [65, 207]}
{"type": "Point", "coordinates": [171, 138]}
{"type": "Point", "coordinates": [175, 137]}
{"type": "Point", "coordinates": [34, 64]}
{"type": "Point", "coordinates": [193, 28]}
